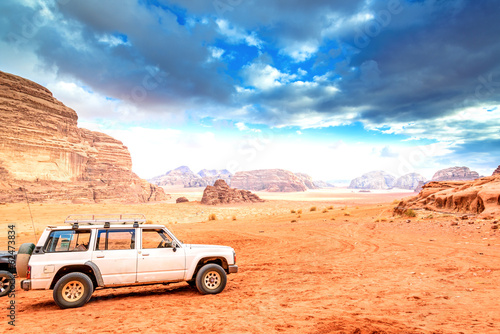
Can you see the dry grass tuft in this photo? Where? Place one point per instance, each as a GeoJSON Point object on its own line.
{"type": "Point", "coordinates": [212, 216]}
{"type": "Point", "coordinates": [313, 208]}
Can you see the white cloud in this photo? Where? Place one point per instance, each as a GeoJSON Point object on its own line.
{"type": "Point", "coordinates": [235, 35]}
{"type": "Point", "coordinates": [264, 76]}
{"type": "Point", "coordinates": [300, 51]}
{"type": "Point", "coordinates": [241, 126]}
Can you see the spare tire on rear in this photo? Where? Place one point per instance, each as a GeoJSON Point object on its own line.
{"type": "Point", "coordinates": [23, 257]}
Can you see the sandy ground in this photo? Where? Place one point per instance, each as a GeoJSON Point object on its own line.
{"type": "Point", "coordinates": [351, 269]}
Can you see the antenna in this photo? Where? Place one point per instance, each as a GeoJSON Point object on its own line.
{"type": "Point", "coordinates": [32, 222]}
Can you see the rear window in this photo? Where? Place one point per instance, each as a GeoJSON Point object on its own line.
{"type": "Point", "coordinates": [68, 241]}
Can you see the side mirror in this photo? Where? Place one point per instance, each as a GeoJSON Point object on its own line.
{"type": "Point", "coordinates": [174, 246]}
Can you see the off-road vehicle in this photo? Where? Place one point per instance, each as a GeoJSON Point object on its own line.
{"type": "Point", "coordinates": [103, 251]}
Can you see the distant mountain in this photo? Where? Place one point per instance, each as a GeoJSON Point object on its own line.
{"type": "Point", "coordinates": [323, 184]}
{"type": "Point", "coordinates": [373, 180]}
{"type": "Point", "coordinates": [183, 176]}
{"type": "Point", "coordinates": [276, 180]}
{"type": "Point", "coordinates": [409, 181]}
{"type": "Point", "coordinates": [308, 181]}
{"type": "Point", "coordinates": [455, 174]}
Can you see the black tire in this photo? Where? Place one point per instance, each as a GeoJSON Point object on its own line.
{"type": "Point", "coordinates": [211, 279]}
{"type": "Point", "coordinates": [7, 283]}
{"type": "Point", "coordinates": [23, 257]}
{"type": "Point", "coordinates": [73, 290]}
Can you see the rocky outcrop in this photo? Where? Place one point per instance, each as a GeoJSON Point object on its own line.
{"type": "Point", "coordinates": [481, 196]}
{"type": "Point", "coordinates": [181, 200]}
{"type": "Point", "coordinates": [497, 171]}
{"type": "Point", "coordinates": [184, 177]}
{"type": "Point", "coordinates": [275, 180]}
{"type": "Point", "coordinates": [307, 180]}
{"type": "Point", "coordinates": [45, 156]}
{"type": "Point", "coordinates": [323, 184]}
{"type": "Point", "coordinates": [373, 180]}
{"type": "Point", "coordinates": [221, 193]}
{"type": "Point", "coordinates": [409, 181]}
{"type": "Point", "coordinates": [455, 174]}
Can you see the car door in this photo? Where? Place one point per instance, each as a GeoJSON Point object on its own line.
{"type": "Point", "coordinates": [116, 255]}
{"type": "Point", "coordinates": [157, 260]}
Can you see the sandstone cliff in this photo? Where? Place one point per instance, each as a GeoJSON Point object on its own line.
{"type": "Point", "coordinates": [481, 196]}
{"type": "Point", "coordinates": [373, 180]}
{"type": "Point", "coordinates": [455, 174]}
{"type": "Point", "coordinates": [409, 181]}
{"type": "Point", "coordinates": [275, 180]}
{"type": "Point", "coordinates": [497, 171]}
{"type": "Point", "coordinates": [308, 181]}
{"type": "Point", "coordinates": [220, 193]}
{"type": "Point", "coordinates": [43, 152]}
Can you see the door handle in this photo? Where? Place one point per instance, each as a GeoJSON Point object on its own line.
{"type": "Point", "coordinates": [100, 256]}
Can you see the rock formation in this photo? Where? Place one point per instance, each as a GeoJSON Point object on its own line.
{"type": "Point", "coordinates": [323, 184]}
{"type": "Point", "coordinates": [45, 156]}
{"type": "Point", "coordinates": [220, 193]}
{"type": "Point", "coordinates": [184, 177]}
{"type": "Point", "coordinates": [481, 196]}
{"type": "Point", "coordinates": [307, 180]}
{"type": "Point", "coordinates": [373, 180]}
{"type": "Point", "coordinates": [409, 181]}
{"type": "Point", "coordinates": [455, 174]}
{"type": "Point", "coordinates": [275, 180]}
{"type": "Point", "coordinates": [497, 171]}
{"type": "Point", "coordinates": [181, 200]}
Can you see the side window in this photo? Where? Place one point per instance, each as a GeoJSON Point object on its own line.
{"type": "Point", "coordinates": [68, 241]}
{"type": "Point", "coordinates": [115, 239]}
{"type": "Point", "coordinates": [155, 238]}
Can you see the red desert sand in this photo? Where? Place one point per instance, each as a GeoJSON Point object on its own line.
{"type": "Point", "coordinates": [346, 267]}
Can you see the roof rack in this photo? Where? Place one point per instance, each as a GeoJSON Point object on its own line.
{"type": "Point", "coordinates": [106, 219]}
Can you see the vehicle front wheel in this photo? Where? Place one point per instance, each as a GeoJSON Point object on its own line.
{"type": "Point", "coordinates": [211, 279]}
{"type": "Point", "coordinates": [73, 290]}
{"type": "Point", "coordinates": [7, 283]}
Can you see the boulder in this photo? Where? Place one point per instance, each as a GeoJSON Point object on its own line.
{"type": "Point", "coordinates": [181, 200]}
{"type": "Point", "coordinates": [409, 181]}
{"type": "Point", "coordinates": [481, 196]}
{"type": "Point", "coordinates": [373, 180]}
{"type": "Point", "coordinates": [275, 180]}
{"type": "Point", "coordinates": [46, 157]}
{"type": "Point", "coordinates": [221, 193]}
{"type": "Point", "coordinates": [455, 174]}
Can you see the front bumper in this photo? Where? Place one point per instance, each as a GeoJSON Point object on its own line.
{"type": "Point", "coordinates": [26, 284]}
{"type": "Point", "coordinates": [233, 269]}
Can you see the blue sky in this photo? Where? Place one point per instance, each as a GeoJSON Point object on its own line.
{"type": "Point", "coordinates": [330, 88]}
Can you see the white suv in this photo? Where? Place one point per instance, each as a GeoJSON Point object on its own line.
{"type": "Point", "coordinates": [120, 251]}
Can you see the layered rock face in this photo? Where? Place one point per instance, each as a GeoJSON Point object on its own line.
{"type": "Point", "coordinates": [220, 193]}
{"type": "Point", "coordinates": [43, 151]}
{"type": "Point", "coordinates": [455, 174]}
{"type": "Point", "coordinates": [409, 181]}
{"type": "Point", "coordinates": [373, 180]}
{"type": "Point", "coordinates": [184, 177]}
{"type": "Point", "coordinates": [497, 171]}
{"type": "Point", "coordinates": [308, 181]}
{"type": "Point", "coordinates": [481, 196]}
{"type": "Point", "coordinates": [275, 180]}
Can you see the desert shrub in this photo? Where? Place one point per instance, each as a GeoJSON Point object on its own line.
{"type": "Point", "coordinates": [313, 208]}
{"type": "Point", "coordinates": [330, 207]}
{"type": "Point", "coordinates": [299, 211]}
{"type": "Point", "coordinates": [234, 218]}
{"type": "Point", "coordinates": [383, 219]}
{"type": "Point", "coordinates": [344, 208]}
{"type": "Point", "coordinates": [299, 216]}
{"type": "Point", "coordinates": [294, 220]}
{"type": "Point", "coordinates": [212, 216]}
{"type": "Point", "coordinates": [333, 218]}
{"type": "Point", "coordinates": [347, 213]}
{"type": "Point", "coordinates": [324, 211]}
{"type": "Point", "coordinates": [292, 211]}
{"type": "Point", "coordinates": [410, 213]}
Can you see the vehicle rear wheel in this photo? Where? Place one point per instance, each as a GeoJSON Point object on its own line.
{"type": "Point", "coordinates": [73, 290]}
{"type": "Point", "coordinates": [7, 283]}
{"type": "Point", "coordinates": [23, 257]}
{"type": "Point", "coordinates": [211, 279]}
